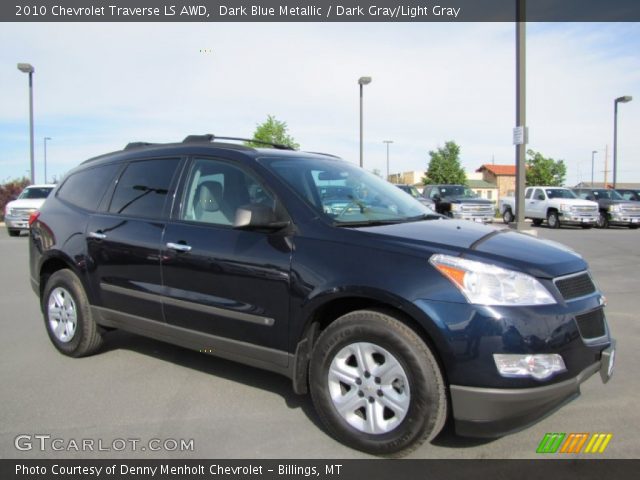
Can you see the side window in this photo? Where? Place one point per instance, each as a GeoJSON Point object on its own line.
{"type": "Point", "coordinates": [528, 194]}
{"type": "Point", "coordinates": [539, 194]}
{"type": "Point", "coordinates": [85, 189]}
{"type": "Point", "coordinates": [143, 188]}
{"type": "Point", "coordinates": [489, 195]}
{"type": "Point", "coordinates": [216, 189]}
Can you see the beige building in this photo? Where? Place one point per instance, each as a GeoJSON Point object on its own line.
{"type": "Point", "coordinates": [408, 178]}
{"type": "Point", "coordinates": [503, 176]}
{"type": "Point", "coordinates": [484, 189]}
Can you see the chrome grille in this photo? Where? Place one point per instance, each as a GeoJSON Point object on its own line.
{"type": "Point", "coordinates": [630, 209]}
{"type": "Point", "coordinates": [21, 212]}
{"type": "Point", "coordinates": [575, 286]}
{"type": "Point", "coordinates": [585, 209]}
{"type": "Point", "coordinates": [591, 325]}
{"type": "Point", "coordinates": [477, 208]}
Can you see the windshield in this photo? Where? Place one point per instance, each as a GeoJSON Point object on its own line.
{"type": "Point", "coordinates": [345, 193]}
{"type": "Point", "coordinates": [35, 192]}
{"type": "Point", "coordinates": [560, 193]}
{"type": "Point", "coordinates": [456, 191]}
{"type": "Point", "coordinates": [608, 194]}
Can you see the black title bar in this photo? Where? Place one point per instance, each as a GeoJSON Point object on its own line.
{"type": "Point", "coordinates": [317, 11]}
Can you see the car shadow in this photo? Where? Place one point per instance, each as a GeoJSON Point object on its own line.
{"type": "Point", "coordinates": [214, 366]}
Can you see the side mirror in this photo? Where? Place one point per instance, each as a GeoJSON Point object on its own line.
{"type": "Point", "coordinates": [257, 217]}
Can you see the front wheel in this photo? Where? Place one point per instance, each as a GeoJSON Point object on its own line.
{"type": "Point", "coordinates": [603, 220]}
{"type": "Point", "coordinates": [13, 232]}
{"type": "Point", "coordinates": [507, 216]}
{"type": "Point", "coordinates": [68, 317]}
{"type": "Point", "coordinates": [553, 220]}
{"type": "Point", "coordinates": [633, 226]}
{"type": "Point", "coordinates": [376, 385]}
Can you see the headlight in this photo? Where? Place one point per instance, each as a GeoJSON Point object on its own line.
{"type": "Point", "coordinates": [539, 366]}
{"type": "Point", "coordinates": [485, 284]}
{"type": "Point", "coordinates": [456, 207]}
{"type": "Point", "coordinates": [614, 208]}
{"type": "Point", "coordinates": [565, 208]}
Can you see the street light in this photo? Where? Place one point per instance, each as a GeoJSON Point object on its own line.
{"type": "Point", "coordinates": [28, 68]}
{"type": "Point", "coordinates": [624, 99]}
{"type": "Point", "coordinates": [387, 142]}
{"type": "Point", "coordinates": [45, 157]}
{"type": "Point", "coordinates": [592, 157]}
{"type": "Point", "coordinates": [362, 81]}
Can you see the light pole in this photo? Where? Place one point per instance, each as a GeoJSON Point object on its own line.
{"type": "Point", "coordinates": [387, 142]}
{"type": "Point", "coordinates": [28, 68]}
{"type": "Point", "coordinates": [45, 157]}
{"type": "Point", "coordinates": [521, 105]}
{"type": "Point", "coordinates": [362, 81]}
{"type": "Point", "coordinates": [618, 100]}
{"type": "Point", "coordinates": [593, 153]}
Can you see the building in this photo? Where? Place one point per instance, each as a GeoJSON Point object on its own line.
{"type": "Point", "coordinates": [484, 189]}
{"type": "Point", "coordinates": [503, 176]}
{"type": "Point", "coordinates": [408, 178]}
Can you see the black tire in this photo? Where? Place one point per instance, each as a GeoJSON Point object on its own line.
{"type": "Point", "coordinates": [553, 220]}
{"type": "Point", "coordinates": [13, 232]}
{"type": "Point", "coordinates": [507, 216]}
{"type": "Point", "coordinates": [537, 222]}
{"type": "Point", "coordinates": [87, 338]}
{"type": "Point", "coordinates": [603, 220]}
{"type": "Point", "coordinates": [586, 226]}
{"type": "Point", "coordinates": [427, 402]}
{"type": "Point", "coordinates": [633, 226]}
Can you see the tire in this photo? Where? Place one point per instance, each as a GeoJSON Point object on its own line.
{"type": "Point", "coordinates": [553, 220]}
{"type": "Point", "coordinates": [536, 221]}
{"type": "Point", "coordinates": [603, 220]}
{"type": "Point", "coordinates": [410, 402]}
{"type": "Point", "coordinates": [586, 227]}
{"type": "Point", "coordinates": [633, 226]}
{"type": "Point", "coordinates": [13, 232]}
{"type": "Point", "coordinates": [64, 302]}
{"type": "Point", "coordinates": [507, 216]}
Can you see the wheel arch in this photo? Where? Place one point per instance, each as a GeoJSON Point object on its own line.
{"type": "Point", "coordinates": [50, 266]}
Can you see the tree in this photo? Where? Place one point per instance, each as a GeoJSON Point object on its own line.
{"type": "Point", "coordinates": [10, 191]}
{"type": "Point", "coordinates": [444, 166]}
{"type": "Point", "coordinates": [543, 170]}
{"type": "Point", "coordinates": [273, 131]}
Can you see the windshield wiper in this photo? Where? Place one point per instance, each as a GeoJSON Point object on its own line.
{"type": "Point", "coordinates": [369, 223]}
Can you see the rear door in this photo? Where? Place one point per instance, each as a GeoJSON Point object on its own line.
{"type": "Point", "coordinates": [124, 240]}
{"type": "Point", "coordinates": [230, 285]}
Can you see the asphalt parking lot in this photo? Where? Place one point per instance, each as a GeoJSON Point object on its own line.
{"type": "Point", "coordinates": [138, 388]}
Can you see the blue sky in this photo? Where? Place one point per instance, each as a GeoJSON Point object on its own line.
{"type": "Point", "coordinates": [99, 86]}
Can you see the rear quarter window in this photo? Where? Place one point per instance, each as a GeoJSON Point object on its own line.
{"type": "Point", "coordinates": [85, 189]}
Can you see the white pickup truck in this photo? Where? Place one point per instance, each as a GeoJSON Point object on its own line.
{"type": "Point", "coordinates": [556, 205]}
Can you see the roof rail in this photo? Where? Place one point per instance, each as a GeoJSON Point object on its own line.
{"type": "Point", "coordinates": [210, 138]}
{"type": "Point", "coordinates": [325, 154]}
{"type": "Point", "coordinates": [131, 145]}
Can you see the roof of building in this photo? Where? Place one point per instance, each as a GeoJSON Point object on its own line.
{"type": "Point", "coordinates": [480, 184]}
{"type": "Point", "coordinates": [498, 169]}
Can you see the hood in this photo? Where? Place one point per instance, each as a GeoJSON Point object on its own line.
{"type": "Point", "coordinates": [577, 202]}
{"type": "Point", "coordinates": [605, 202]}
{"type": "Point", "coordinates": [504, 247]}
{"type": "Point", "coordinates": [26, 203]}
{"type": "Point", "coordinates": [477, 201]}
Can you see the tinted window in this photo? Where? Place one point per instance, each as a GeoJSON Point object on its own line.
{"type": "Point", "coordinates": [35, 192]}
{"type": "Point", "coordinates": [86, 188]}
{"type": "Point", "coordinates": [528, 194]}
{"type": "Point", "coordinates": [143, 188]}
{"type": "Point", "coordinates": [216, 189]}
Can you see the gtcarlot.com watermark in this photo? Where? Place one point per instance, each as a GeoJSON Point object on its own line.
{"type": "Point", "coordinates": [48, 443]}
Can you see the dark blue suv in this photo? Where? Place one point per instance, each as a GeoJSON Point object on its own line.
{"type": "Point", "coordinates": [393, 318]}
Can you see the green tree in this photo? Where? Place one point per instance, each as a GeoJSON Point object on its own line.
{"type": "Point", "coordinates": [543, 170]}
{"type": "Point", "coordinates": [444, 166]}
{"type": "Point", "coordinates": [274, 131]}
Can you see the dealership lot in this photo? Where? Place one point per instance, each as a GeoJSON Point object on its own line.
{"type": "Point", "coordinates": [137, 388]}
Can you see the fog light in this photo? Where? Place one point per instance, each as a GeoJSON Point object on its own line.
{"type": "Point", "coordinates": [540, 366]}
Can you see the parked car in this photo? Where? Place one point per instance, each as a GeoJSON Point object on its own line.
{"type": "Point", "coordinates": [557, 205]}
{"type": "Point", "coordinates": [459, 201]}
{"type": "Point", "coordinates": [17, 212]}
{"type": "Point", "coordinates": [393, 322]}
{"type": "Point", "coordinates": [632, 194]}
{"type": "Point", "coordinates": [413, 191]}
{"type": "Point", "coordinates": [614, 210]}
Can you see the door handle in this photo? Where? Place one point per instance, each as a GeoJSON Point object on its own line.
{"type": "Point", "coordinates": [180, 247]}
{"type": "Point", "coordinates": [98, 235]}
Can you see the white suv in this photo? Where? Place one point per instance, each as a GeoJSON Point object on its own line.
{"type": "Point", "coordinates": [16, 213]}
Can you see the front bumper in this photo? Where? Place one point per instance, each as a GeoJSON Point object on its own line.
{"type": "Point", "coordinates": [473, 218]}
{"type": "Point", "coordinates": [623, 219]}
{"type": "Point", "coordinates": [492, 412]}
{"type": "Point", "coordinates": [16, 223]}
{"type": "Point", "coordinates": [577, 219]}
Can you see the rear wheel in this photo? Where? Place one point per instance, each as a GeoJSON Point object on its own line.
{"type": "Point", "coordinates": [507, 216]}
{"type": "Point", "coordinates": [13, 232]}
{"type": "Point", "coordinates": [376, 385]}
{"type": "Point", "coordinates": [67, 316]}
{"type": "Point", "coordinates": [553, 220]}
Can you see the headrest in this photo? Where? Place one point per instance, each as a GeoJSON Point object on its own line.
{"type": "Point", "coordinates": [210, 196]}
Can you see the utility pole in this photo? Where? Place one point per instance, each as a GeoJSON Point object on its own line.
{"type": "Point", "coordinates": [520, 132]}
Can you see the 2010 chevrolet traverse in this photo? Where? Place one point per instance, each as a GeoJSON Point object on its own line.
{"type": "Point", "coordinates": [300, 263]}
